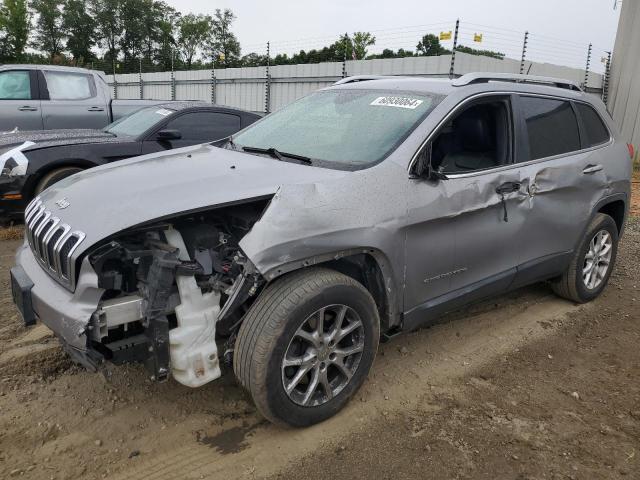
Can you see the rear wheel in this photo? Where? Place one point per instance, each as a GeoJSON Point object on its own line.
{"type": "Point", "coordinates": [55, 176]}
{"type": "Point", "coordinates": [306, 346]}
{"type": "Point", "coordinates": [591, 266]}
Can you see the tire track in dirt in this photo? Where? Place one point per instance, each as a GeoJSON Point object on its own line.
{"type": "Point", "coordinates": [405, 368]}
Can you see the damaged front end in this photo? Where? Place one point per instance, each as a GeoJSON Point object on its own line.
{"type": "Point", "coordinates": [173, 291]}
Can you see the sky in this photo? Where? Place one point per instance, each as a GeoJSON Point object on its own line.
{"type": "Point", "coordinates": [560, 30]}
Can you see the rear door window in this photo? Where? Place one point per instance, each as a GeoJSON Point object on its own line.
{"type": "Point", "coordinates": [69, 86]}
{"type": "Point", "coordinates": [594, 128]}
{"type": "Point", "coordinates": [552, 127]}
{"type": "Point", "coordinates": [15, 85]}
{"type": "Point", "coordinates": [205, 126]}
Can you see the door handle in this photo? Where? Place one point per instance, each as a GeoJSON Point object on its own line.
{"type": "Point", "coordinates": [504, 189]}
{"type": "Point", "coordinates": [95, 109]}
{"type": "Point", "coordinates": [28, 108]}
{"type": "Point", "coordinates": [591, 169]}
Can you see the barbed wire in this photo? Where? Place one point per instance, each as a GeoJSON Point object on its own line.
{"type": "Point", "coordinates": [501, 41]}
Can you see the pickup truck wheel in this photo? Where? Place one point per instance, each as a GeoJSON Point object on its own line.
{"type": "Point", "coordinates": [591, 266]}
{"type": "Point", "coordinates": [55, 176]}
{"type": "Point", "coordinates": [306, 346]}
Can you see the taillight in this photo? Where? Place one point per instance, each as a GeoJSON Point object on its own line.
{"type": "Point", "coordinates": [632, 152]}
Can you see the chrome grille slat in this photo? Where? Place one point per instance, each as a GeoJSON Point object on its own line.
{"type": "Point", "coordinates": [33, 223]}
{"type": "Point", "coordinates": [38, 231]}
{"type": "Point", "coordinates": [58, 246]}
{"type": "Point", "coordinates": [52, 242]}
{"type": "Point", "coordinates": [47, 236]}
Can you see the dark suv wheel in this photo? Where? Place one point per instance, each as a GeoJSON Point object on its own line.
{"type": "Point", "coordinates": [591, 266]}
{"type": "Point", "coordinates": [306, 346]}
{"type": "Point", "coordinates": [55, 176]}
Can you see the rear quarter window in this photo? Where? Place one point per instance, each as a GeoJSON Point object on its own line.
{"type": "Point", "coordinates": [594, 128]}
{"type": "Point", "coordinates": [552, 127]}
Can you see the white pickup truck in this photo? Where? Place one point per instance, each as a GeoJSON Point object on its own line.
{"type": "Point", "coordinates": [46, 97]}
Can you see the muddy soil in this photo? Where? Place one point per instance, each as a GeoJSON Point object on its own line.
{"type": "Point", "coordinates": [522, 386]}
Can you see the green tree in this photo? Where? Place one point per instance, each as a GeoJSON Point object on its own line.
{"type": "Point", "coordinates": [223, 44]}
{"type": "Point", "coordinates": [255, 60]}
{"type": "Point", "coordinates": [193, 33]}
{"type": "Point", "coordinates": [133, 17]}
{"type": "Point", "coordinates": [49, 35]}
{"type": "Point", "coordinates": [360, 42]}
{"type": "Point", "coordinates": [166, 48]}
{"type": "Point", "coordinates": [430, 46]}
{"type": "Point", "coordinates": [388, 53]}
{"type": "Point", "coordinates": [160, 20]}
{"type": "Point", "coordinates": [108, 21]}
{"type": "Point", "coordinates": [79, 26]}
{"type": "Point", "coordinates": [14, 23]}
{"type": "Point", "coordinates": [484, 53]}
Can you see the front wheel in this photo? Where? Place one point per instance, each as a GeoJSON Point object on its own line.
{"type": "Point", "coordinates": [591, 265]}
{"type": "Point", "coordinates": [306, 346]}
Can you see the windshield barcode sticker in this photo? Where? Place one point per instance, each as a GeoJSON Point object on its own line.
{"type": "Point", "coordinates": [164, 112]}
{"type": "Point", "coordinates": [400, 102]}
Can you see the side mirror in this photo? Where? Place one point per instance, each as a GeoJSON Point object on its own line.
{"type": "Point", "coordinates": [169, 135]}
{"type": "Point", "coordinates": [423, 168]}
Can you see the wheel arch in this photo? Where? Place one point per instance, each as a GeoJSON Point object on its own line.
{"type": "Point", "coordinates": [369, 266]}
{"type": "Point", "coordinates": [616, 207]}
{"type": "Point", "coordinates": [47, 168]}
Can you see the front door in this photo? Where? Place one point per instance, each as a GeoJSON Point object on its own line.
{"type": "Point", "coordinates": [19, 101]}
{"type": "Point", "coordinates": [464, 230]}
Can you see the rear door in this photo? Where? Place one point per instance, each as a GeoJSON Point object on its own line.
{"type": "Point", "coordinates": [195, 127]}
{"type": "Point", "coordinates": [564, 163]}
{"type": "Point", "coordinates": [71, 100]}
{"type": "Point", "coordinates": [19, 101]}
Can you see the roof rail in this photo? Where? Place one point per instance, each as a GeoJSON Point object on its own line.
{"type": "Point", "coordinates": [472, 78]}
{"type": "Point", "coordinates": [361, 78]}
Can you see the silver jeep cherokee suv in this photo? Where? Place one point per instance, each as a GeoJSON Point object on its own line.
{"type": "Point", "coordinates": [362, 210]}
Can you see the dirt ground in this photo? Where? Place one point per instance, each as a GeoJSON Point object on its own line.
{"type": "Point", "coordinates": [525, 386]}
{"type": "Point", "coordinates": [635, 198]}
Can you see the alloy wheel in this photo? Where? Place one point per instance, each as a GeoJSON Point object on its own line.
{"type": "Point", "coordinates": [597, 260]}
{"type": "Point", "coordinates": [323, 355]}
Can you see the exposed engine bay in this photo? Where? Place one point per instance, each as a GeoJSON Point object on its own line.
{"type": "Point", "coordinates": [174, 291]}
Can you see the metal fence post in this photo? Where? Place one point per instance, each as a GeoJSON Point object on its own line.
{"type": "Point", "coordinates": [586, 70]}
{"type": "Point", "coordinates": [267, 85]}
{"type": "Point", "coordinates": [605, 80]}
{"type": "Point", "coordinates": [213, 84]}
{"type": "Point", "coordinates": [453, 52]}
{"type": "Point", "coordinates": [115, 81]}
{"type": "Point", "coordinates": [173, 78]}
{"type": "Point", "coordinates": [524, 51]}
{"type": "Point", "coordinates": [140, 80]}
{"type": "Point", "coordinates": [344, 57]}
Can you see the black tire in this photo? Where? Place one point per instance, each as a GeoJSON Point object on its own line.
{"type": "Point", "coordinates": [55, 176]}
{"type": "Point", "coordinates": [272, 322]}
{"type": "Point", "coordinates": [571, 285]}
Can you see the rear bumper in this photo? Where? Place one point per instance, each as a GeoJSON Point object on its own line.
{"type": "Point", "coordinates": [66, 313]}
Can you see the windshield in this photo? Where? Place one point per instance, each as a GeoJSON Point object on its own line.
{"type": "Point", "coordinates": [350, 129]}
{"type": "Point", "coordinates": [138, 122]}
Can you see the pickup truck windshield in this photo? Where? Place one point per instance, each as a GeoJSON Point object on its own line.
{"type": "Point", "coordinates": [138, 122]}
{"type": "Point", "coordinates": [347, 129]}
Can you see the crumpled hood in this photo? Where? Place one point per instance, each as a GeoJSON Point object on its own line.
{"type": "Point", "coordinates": [50, 138]}
{"type": "Point", "coordinates": [108, 199]}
